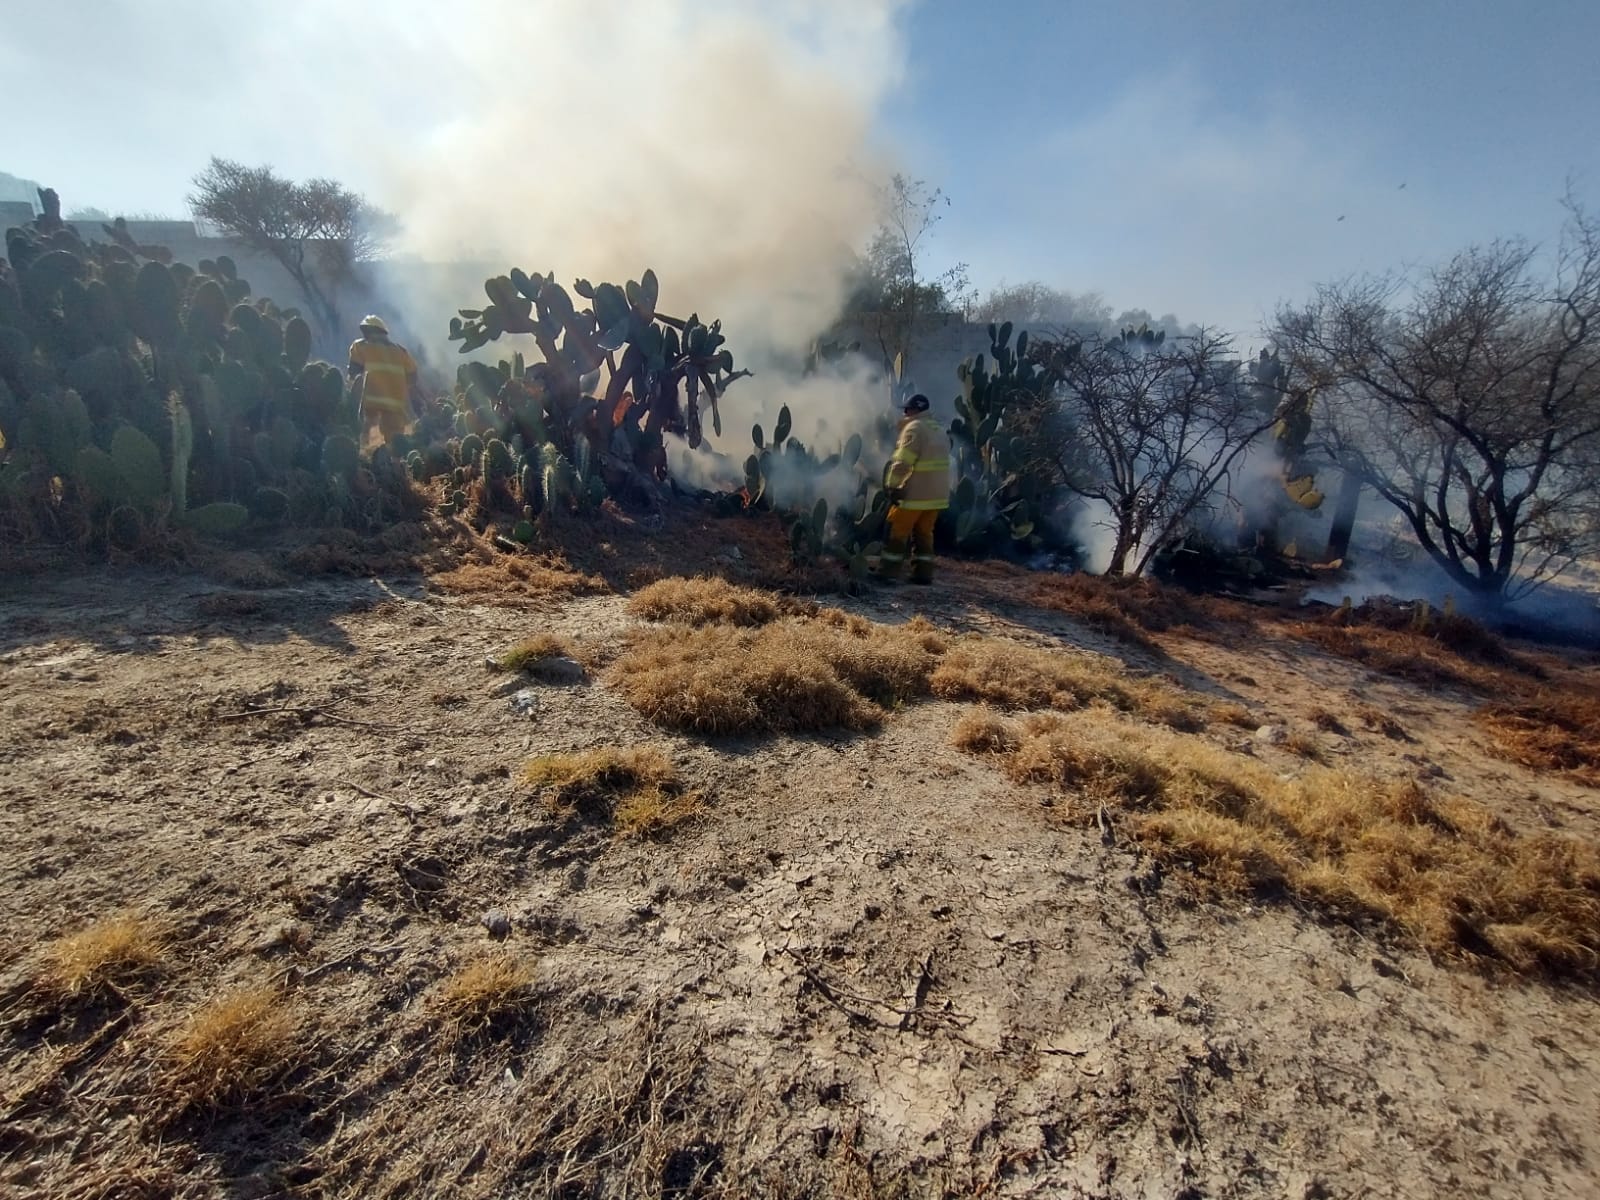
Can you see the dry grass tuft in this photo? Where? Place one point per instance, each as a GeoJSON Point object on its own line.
{"type": "Point", "coordinates": [1130, 609]}
{"type": "Point", "coordinates": [1329, 722]}
{"type": "Point", "coordinates": [1236, 715]}
{"type": "Point", "coordinates": [1443, 870]}
{"type": "Point", "coordinates": [535, 653]}
{"type": "Point", "coordinates": [235, 1046]}
{"type": "Point", "coordinates": [1452, 631]}
{"type": "Point", "coordinates": [838, 671]}
{"type": "Point", "coordinates": [1163, 701]}
{"type": "Point", "coordinates": [705, 602]}
{"type": "Point", "coordinates": [1378, 721]}
{"type": "Point", "coordinates": [1010, 675]}
{"type": "Point", "coordinates": [102, 958]}
{"type": "Point", "coordinates": [488, 991]}
{"type": "Point", "coordinates": [983, 731]}
{"type": "Point", "coordinates": [786, 676]}
{"type": "Point", "coordinates": [1304, 745]}
{"type": "Point", "coordinates": [1549, 731]}
{"type": "Point", "coordinates": [514, 578]}
{"type": "Point", "coordinates": [637, 790]}
{"type": "Point", "coordinates": [1406, 655]}
{"type": "Point", "coordinates": [247, 570]}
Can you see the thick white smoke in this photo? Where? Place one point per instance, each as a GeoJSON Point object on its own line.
{"type": "Point", "coordinates": [726, 145]}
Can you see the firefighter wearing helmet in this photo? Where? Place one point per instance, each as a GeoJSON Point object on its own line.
{"type": "Point", "coordinates": [387, 377]}
{"type": "Point", "coordinates": [918, 484]}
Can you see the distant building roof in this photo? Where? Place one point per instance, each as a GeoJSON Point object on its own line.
{"type": "Point", "coordinates": [14, 213]}
{"type": "Point", "coordinates": [16, 190]}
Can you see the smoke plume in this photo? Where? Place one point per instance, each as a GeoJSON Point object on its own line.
{"type": "Point", "coordinates": [726, 145]}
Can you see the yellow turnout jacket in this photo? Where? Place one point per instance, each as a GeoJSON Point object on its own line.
{"type": "Point", "coordinates": [921, 465]}
{"type": "Point", "coordinates": [388, 370]}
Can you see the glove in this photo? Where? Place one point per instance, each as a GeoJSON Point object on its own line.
{"type": "Point", "coordinates": [895, 494]}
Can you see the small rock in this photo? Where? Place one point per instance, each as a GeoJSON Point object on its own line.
{"type": "Point", "coordinates": [561, 669]}
{"type": "Point", "coordinates": [496, 922]}
{"type": "Point", "coordinates": [491, 662]}
{"type": "Point", "coordinates": [731, 551]}
{"type": "Point", "coordinates": [525, 702]}
{"type": "Point", "coordinates": [1272, 735]}
{"type": "Point", "coordinates": [1304, 1186]}
{"type": "Point", "coordinates": [504, 687]}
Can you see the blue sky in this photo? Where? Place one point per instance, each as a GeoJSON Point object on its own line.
{"type": "Point", "coordinates": [1183, 157]}
{"type": "Point", "coordinates": [1196, 157]}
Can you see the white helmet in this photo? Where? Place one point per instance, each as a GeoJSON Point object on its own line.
{"type": "Point", "coordinates": [374, 322]}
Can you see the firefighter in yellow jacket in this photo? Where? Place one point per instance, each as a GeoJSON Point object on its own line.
{"type": "Point", "coordinates": [388, 376]}
{"type": "Point", "coordinates": [918, 482]}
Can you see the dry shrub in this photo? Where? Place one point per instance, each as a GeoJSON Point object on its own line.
{"type": "Point", "coordinates": [704, 602]}
{"type": "Point", "coordinates": [1549, 731]}
{"type": "Point", "coordinates": [786, 676]}
{"type": "Point", "coordinates": [1443, 870]}
{"type": "Point", "coordinates": [488, 991]}
{"type": "Point", "coordinates": [637, 790]}
{"type": "Point", "coordinates": [104, 957]}
{"type": "Point", "coordinates": [235, 1046]}
{"type": "Point", "coordinates": [399, 548]}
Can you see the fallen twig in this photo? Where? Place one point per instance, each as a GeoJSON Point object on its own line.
{"type": "Point", "coordinates": [835, 995]}
{"type": "Point", "coordinates": [304, 711]}
{"type": "Point", "coordinates": [367, 792]}
{"type": "Point", "coordinates": [346, 959]}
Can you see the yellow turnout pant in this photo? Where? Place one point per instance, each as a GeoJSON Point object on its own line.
{"type": "Point", "coordinates": [909, 530]}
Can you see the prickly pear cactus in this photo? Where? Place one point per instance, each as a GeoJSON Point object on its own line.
{"type": "Point", "coordinates": [661, 371]}
{"type": "Point", "coordinates": [137, 388]}
{"type": "Point", "coordinates": [997, 502]}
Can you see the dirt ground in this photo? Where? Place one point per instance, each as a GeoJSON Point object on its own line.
{"type": "Point", "coordinates": [873, 967]}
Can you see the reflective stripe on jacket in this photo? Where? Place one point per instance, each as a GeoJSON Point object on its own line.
{"type": "Point", "coordinates": [387, 369]}
{"type": "Point", "coordinates": [921, 465]}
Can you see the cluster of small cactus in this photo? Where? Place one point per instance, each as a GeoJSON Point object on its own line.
{"type": "Point", "coordinates": [998, 496]}
{"type": "Point", "coordinates": [849, 533]}
{"type": "Point", "coordinates": [522, 474]}
{"type": "Point", "coordinates": [137, 393]}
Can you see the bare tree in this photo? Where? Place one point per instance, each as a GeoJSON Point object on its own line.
{"type": "Point", "coordinates": [1034, 305]}
{"type": "Point", "coordinates": [896, 285]}
{"type": "Point", "coordinates": [1472, 404]}
{"type": "Point", "coordinates": [317, 230]}
{"type": "Point", "coordinates": [1158, 426]}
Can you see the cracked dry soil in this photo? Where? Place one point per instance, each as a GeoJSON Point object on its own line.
{"type": "Point", "coordinates": [871, 967]}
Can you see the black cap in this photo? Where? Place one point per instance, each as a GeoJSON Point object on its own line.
{"type": "Point", "coordinates": [917, 403]}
